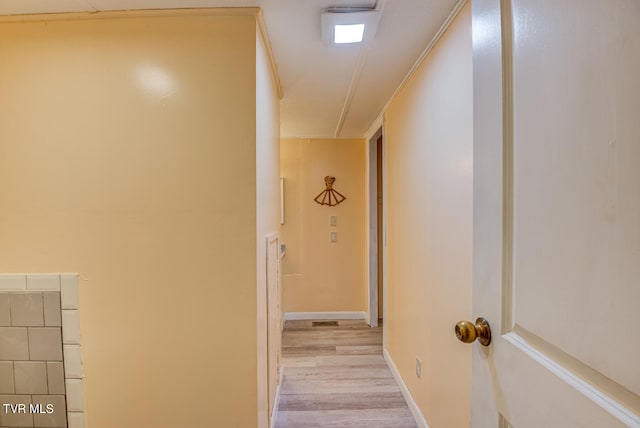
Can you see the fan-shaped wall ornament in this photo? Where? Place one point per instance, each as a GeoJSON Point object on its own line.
{"type": "Point", "coordinates": [329, 196]}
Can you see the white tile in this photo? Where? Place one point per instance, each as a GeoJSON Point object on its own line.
{"type": "Point", "coordinates": [9, 419]}
{"type": "Point", "coordinates": [75, 419]}
{"type": "Point", "coordinates": [45, 344]}
{"type": "Point", "coordinates": [69, 290]}
{"type": "Point", "coordinates": [55, 377]}
{"type": "Point", "coordinates": [14, 343]}
{"type": "Point", "coordinates": [52, 312]}
{"type": "Point", "coordinates": [6, 378]}
{"type": "Point", "coordinates": [72, 362]}
{"type": "Point", "coordinates": [5, 313]}
{"type": "Point", "coordinates": [13, 282]}
{"type": "Point", "coordinates": [70, 326]}
{"type": "Point", "coordinates": [75, 395]}
{"type": "Point", "coordinates": [27, 309]}
{"type": "Point", "coordinates": [43, 282]}
{"type": "Point", "coordinates": [30, 377]}
{"type": "Point", "coordinates": [56, 419]}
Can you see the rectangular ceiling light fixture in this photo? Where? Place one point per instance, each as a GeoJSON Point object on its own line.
{"type": "Point", "coordinates": [349, 26]}
{"type": "Point", "coordinates": [348, 33]}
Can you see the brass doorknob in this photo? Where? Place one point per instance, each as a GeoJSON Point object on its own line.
{"type": "Point", "coordinates": [467, 332]}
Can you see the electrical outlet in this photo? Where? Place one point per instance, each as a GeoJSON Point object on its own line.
{"type": "Point", "coordinates": [418, 367]}
{"type": "Point", "coordinates": [333, 236]}
{"type": "Point", "coordinates": [333, 220]}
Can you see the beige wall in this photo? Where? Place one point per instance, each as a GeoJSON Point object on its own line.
{"type": "Point", "coordinates": [128, 154]}
{"type": "Point", "coordinates": [320, 276]}
{"type": "Point", "coordinates": [267, 209]}
{"type": "Point", "coordinates": [429, 227]}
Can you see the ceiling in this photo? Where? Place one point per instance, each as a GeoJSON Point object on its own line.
{"type": "Point", "coordinates": [328, 92]}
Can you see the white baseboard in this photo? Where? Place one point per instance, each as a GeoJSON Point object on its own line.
{"type": "Point", "coordinates": [276, 402]}
{"type": "Point", "coordinates": [415, 411]}
{"type": "Point", "coordinates": [325, 316]}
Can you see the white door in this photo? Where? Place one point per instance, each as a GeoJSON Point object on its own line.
{"type": "Point", "coordinates": [557, 213]}
{"type": "Point", "coordinates": [274, 318]}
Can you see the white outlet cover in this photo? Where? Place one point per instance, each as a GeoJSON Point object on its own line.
{"type": "Point", "coordinates": [333, 236]}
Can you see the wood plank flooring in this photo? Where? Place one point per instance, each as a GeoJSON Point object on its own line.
{"type": "Point", "coordinates": [336, 376]}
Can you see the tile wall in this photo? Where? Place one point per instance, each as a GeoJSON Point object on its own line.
{"type": "Point", "coordinates": [40, 364]}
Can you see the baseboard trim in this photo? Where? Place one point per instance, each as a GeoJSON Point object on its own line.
{"type": "Point", "coordinates": [415, 411]}
{"type": "Point", "coordinates": [325, 316]}
{"type": "Point", "coordinates": [276, 402]}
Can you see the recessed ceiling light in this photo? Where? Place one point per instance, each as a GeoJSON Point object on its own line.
{"type": "Point", "coordinates": [351, 33]}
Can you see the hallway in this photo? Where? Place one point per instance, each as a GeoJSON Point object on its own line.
{"type": "Point", "coordinates": [167, 252]}
{"type": "Point", "coordinates": [336, 376]}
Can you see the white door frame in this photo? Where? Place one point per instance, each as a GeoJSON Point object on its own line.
{"type": "Point", "coordinates": [373, 229]}
{"type": "Point", "coordinates": [274, 326]}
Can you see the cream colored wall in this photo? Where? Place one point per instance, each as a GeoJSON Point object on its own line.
{"type": "Point", "coordinates": [267, 208]}
{"type": "Point", "coordinates": [320, 276]}
{"type": "Point", "coordinates": [127, 154]}
{"type": "Point", "coordinates": [429, 148]}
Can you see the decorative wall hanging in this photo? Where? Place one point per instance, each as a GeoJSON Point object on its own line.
{"type": "Point", "coordinates": [329, 196]}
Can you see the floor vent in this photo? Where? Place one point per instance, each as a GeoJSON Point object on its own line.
{"type": "Point", "coordinates": [324, 323]}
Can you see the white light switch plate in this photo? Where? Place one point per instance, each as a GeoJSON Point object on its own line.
{"type": "Point", "coordinates": [333, 220]}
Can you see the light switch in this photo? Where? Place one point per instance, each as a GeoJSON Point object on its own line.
{"type": "Point", "coordinates": [333, 220]}
{"type": "Point", "coordinates": [333, 236]}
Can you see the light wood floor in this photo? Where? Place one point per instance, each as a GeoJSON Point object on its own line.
{"type": "Point", "coordinates": [337, 377]}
